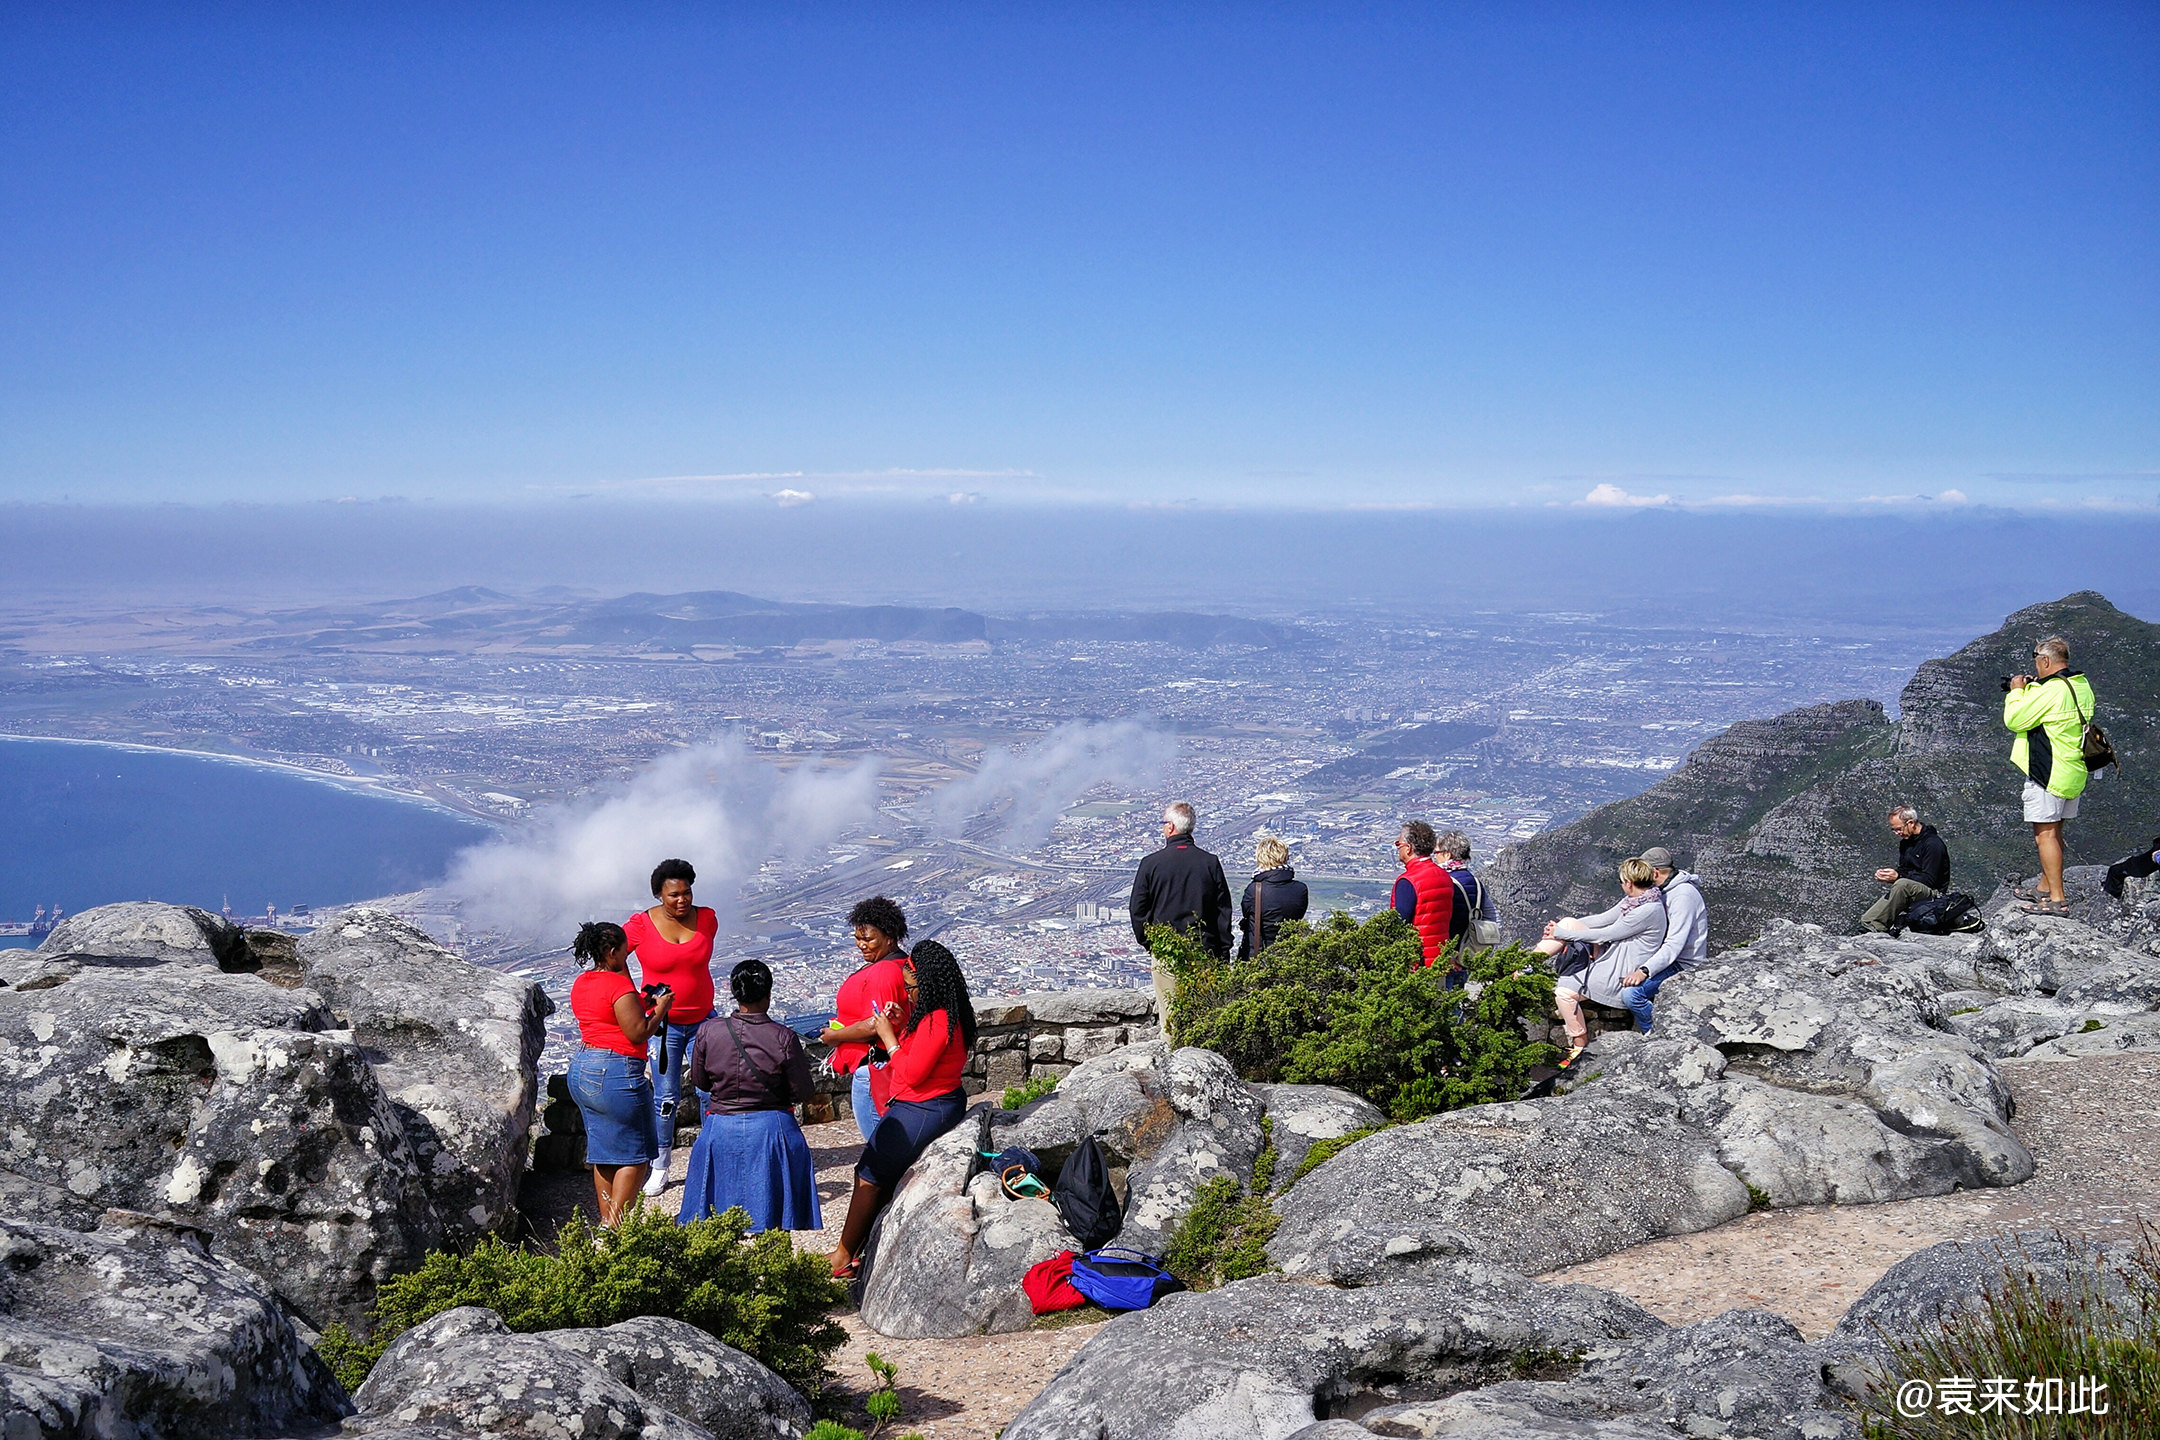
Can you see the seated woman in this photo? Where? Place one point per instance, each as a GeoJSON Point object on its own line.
{"type": "Point", "coordinates": [1280, 893]}
{"type": "Point", "coordinates": [749, 1150]}
{"type": "Point", "coordinates": [928, 1058]}
{"type": "Point", "coordinates": [1603, 954]}
{"type": "Point", "coordinates": [607, 1075]}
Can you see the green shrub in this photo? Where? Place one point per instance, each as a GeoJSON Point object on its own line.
{"type": "Point", "coordinates": [758, 1295]}
{"type": "Point", "coordinates": [1223, 1237]}
{"type": "Point", "coordinates": [2022, 1332]}
{"type": "Point", "coordinates": [1263, 1167]}
{"type": "Point", "coordinates": [2089, 1026]}
{"type": "Point", "coordinates": [1351, 1005]}
{"type": "Point", "coordinates": [1323, 1151]}
{"type": "Point", "coordinates": [1029, 1091]}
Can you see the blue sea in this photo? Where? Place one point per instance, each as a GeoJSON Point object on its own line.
{"type": "Point", "coordinates": [84, 825]}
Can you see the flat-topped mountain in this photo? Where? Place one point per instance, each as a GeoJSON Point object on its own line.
{"type": "Point", "coordinates": [1785, 817]}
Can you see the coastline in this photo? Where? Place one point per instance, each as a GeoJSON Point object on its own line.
{"type": "Point", "coordinates": [358, 784]}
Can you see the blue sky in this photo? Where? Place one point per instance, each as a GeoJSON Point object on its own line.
{"type": "Point", "coordinates": [1250, 254]}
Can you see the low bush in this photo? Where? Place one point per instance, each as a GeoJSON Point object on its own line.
{"type": "Point", "coordinates": [1988, 1372]}
{"type": "Point", "coordinates": [757, 1294]}
{"type": "Point", "coordinates": [1223, 1237]}
{"type": "Point", "coordinates": [1027, 1092]}
{"type": "Point", "coordinates": [1323, 1151]}
{"type": "Point", "coordinates": [1352, 1005]}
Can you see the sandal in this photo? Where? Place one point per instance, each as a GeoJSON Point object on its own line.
{"type": "Point", "coordinates": [2046, 907]}
{"type": "Point", "coordinates": [850, 1270]}
{"type": "Point", "coordinates": [1573, 1055]}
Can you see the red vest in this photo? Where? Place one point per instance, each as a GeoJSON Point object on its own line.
{"type": "Point", "coordinates": [1435, 903]}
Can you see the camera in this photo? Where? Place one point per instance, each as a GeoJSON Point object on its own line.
{"type": "Point", "coordinates": [2004, 681]}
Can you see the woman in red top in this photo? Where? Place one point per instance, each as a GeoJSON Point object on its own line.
{"type": "Point", "coordinates": [673, 942]}
{"type": "Point", "coordinates": [928, 1057]}
{"type": "Point", "coordinates": [879, 928]}
{"type": "Point", "coordinates": [607, 1076]}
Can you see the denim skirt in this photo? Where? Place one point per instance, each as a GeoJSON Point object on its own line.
{"type": "Point", "coordinates": [615, 1097]}
{"type": "Point", "coordinates": [758, 1161]}
{"type": "Point", "coordinates": [906, 1131]}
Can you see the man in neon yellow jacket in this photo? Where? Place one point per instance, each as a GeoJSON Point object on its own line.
{"type": "Point", "coordinates": [2047, 711]}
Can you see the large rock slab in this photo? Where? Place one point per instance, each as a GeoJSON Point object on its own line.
{"type": "Point", "coordinates": [1534, 1185]}
{"type": "Point", "coordinates": [951, 1256]}
{"type": "Point", "coordinates": [1266, 1358]}
{"type": "Point", "coordinates": [139, 1331]}
{"type": "Point", "coordinates": [146, 930]}
{"type": "Point", "coordinates": [465, 1373]}
{"type": "Point", "coordinates": [456, 1048]}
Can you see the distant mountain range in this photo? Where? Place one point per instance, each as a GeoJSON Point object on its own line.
{"type": "Point", "coordinates": [466, 617]}
{"type": "Point", "coordinates": [1786, 816]}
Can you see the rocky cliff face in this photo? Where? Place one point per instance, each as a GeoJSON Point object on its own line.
{"type": "Point", "coordinates": [1784, 817]}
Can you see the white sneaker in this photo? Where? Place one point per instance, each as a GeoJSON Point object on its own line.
{"type": "Point", "coordinates": [657, 1181]}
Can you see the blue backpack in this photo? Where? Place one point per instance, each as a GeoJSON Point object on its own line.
{"type": "Point", "coordinates": [1123, 1279]}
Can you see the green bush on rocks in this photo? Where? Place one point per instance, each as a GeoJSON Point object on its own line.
{"type": "Point", "coordinates": [757, 1294]}
{"type": "Point", "coordinates": [1351, 1005]}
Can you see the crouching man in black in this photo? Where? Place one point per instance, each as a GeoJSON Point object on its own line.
{"type": "Point", "coordinates": [2133, 867]}
{"type": "Point", "coordinates": [1923, 871]}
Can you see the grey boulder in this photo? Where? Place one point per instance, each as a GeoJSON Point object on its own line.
{"type": "Point", "coordinates": [693, 1376]}
{"type": "Point", "coordinates": [455, 1046]}
{"type": "Point", "coordinates": [1269, 1357]}
{"type": "Point", "coordinates": [1300, 1115]}
{"type": "Point", "coordinates": [465, 1373]}
{"type": "Point", "coordinates": [147, 930]}
{"type": "Point", "coordinates": [138, 1331]}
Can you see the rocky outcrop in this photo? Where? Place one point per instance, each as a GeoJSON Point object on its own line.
{"type": "Point", "coordinates": [465, 1373]}
{"type": "Point", "coordinates": [1265, 1358]}
{"type": "Point", "coordinates": [455, 1047]}
{"type": "Point", "coordinates": [1806, 1069]}
{"type": "Point", "coordinates": [138, 1330]}
{"type": "Point", "coordinates": [1784, 817]}
{"type": "Point", "coordinates": [1299, 1116]}
{"type": "Point", "coordinates": [150, 1060]}
{"type": "Point", "coordinates": [1168, 1120]}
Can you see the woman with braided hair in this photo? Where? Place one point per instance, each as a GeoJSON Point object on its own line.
{"type": "Point", "coordinates": [929, 1056]}
{"type": "Point", "coordinates": [607, 1075]}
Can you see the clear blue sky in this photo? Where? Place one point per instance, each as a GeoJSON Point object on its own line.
{"type": "Point", "coordinates": [1251, 253]}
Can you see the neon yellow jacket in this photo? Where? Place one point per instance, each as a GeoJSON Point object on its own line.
{"type": "Point", "coordinates": [2050, 709]}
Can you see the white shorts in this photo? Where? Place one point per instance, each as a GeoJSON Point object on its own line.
{"type": "Point", "coordinates": [2042, 806]}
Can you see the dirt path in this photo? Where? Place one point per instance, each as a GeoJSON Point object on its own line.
{"type": "Point", "coordinates": [2092, 1125]}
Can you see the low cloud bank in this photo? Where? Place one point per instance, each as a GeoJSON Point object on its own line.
{"type": "Point", "coordinates": [1031, 786]}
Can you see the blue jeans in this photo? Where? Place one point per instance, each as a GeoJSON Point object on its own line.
{"type": "Point", "coordinates": [866, 1116]}
{"type": "Point", "coordinates": [667, 1083]}
{"type": "Point", "coordinates": [1637, 998]}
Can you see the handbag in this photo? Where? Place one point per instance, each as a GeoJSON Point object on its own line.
{"type": "Point", "coordinates": [1123, 1279]}
{"type": "Point", "coordinates": [2093, 746]}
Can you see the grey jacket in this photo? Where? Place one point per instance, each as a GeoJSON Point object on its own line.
{"type": "Point", "coordinates": [1629, 940]}
{"type": "Point", "coordinates": [1687, 926]}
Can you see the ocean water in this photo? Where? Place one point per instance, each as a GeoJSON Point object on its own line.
{"type": "Point", "coordinates": [84, 825]}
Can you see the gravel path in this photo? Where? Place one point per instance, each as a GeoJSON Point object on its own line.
{"type": "Point", "coordinates": [2091, 1124]}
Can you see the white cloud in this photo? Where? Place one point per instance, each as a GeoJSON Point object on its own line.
{"type": "Point", "coordinates": [716, 805]}
{"type": "Point", "coordinates": [1030, 788]}
{"type": "Point", "coordinates": [1953, 497]}
{"type": "Point", "coordinates": [789, 499]}
{"type": "Point", "coordinates": [1607, 493]}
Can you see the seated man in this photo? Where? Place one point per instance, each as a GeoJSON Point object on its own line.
{"type": "Point", "coordinates": [1923, 871]}
{"type": "Point", "coordinates": [2133, 867]}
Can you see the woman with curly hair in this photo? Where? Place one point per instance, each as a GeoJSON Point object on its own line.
{"type": "Point", "coordinates": [879, 928]}
{"type": "Point", "coordinates": [928, 1057]}
{"type": "Point", "coordinates": [607, 1075]}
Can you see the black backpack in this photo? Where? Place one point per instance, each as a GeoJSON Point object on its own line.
{"type": "Point", "coordinates": [1952, 913]}
{"type": "Point", "coordinates": [1085, 1199]}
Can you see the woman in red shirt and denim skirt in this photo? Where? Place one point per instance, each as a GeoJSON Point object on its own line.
{"type": "Point", "coordinates": [928, 1059]}
{"type": "Point", "coordinates": [673, 942]}
{"type": "Point", "coordinates": [607, 1075]}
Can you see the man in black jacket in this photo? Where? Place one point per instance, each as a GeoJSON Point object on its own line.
{"type": "Point", "coordinates": [1181, 886]}
{"type": "Point", "coordinates": [1923, 871]}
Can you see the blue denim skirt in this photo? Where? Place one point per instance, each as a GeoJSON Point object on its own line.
{"type": "Point", "coordinates": [758, 1161]}
{"type": "Point", "coordinates": [615, 1097]}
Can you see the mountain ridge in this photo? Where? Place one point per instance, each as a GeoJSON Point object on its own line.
{"type": "Point", "coordinates": [1785, 815]}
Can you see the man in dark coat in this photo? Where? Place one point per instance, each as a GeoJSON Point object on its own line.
{"type": "Point", "coordinates": [1182, 886]}
{"type": "Point", "coordinates": [1923, 870]}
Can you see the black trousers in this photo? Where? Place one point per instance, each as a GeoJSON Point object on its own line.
{"type": "Point", "coordinates": [2136, 866]}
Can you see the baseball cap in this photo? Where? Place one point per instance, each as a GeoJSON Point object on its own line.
{"type": "Point", "coordinates": [1657, 857]}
